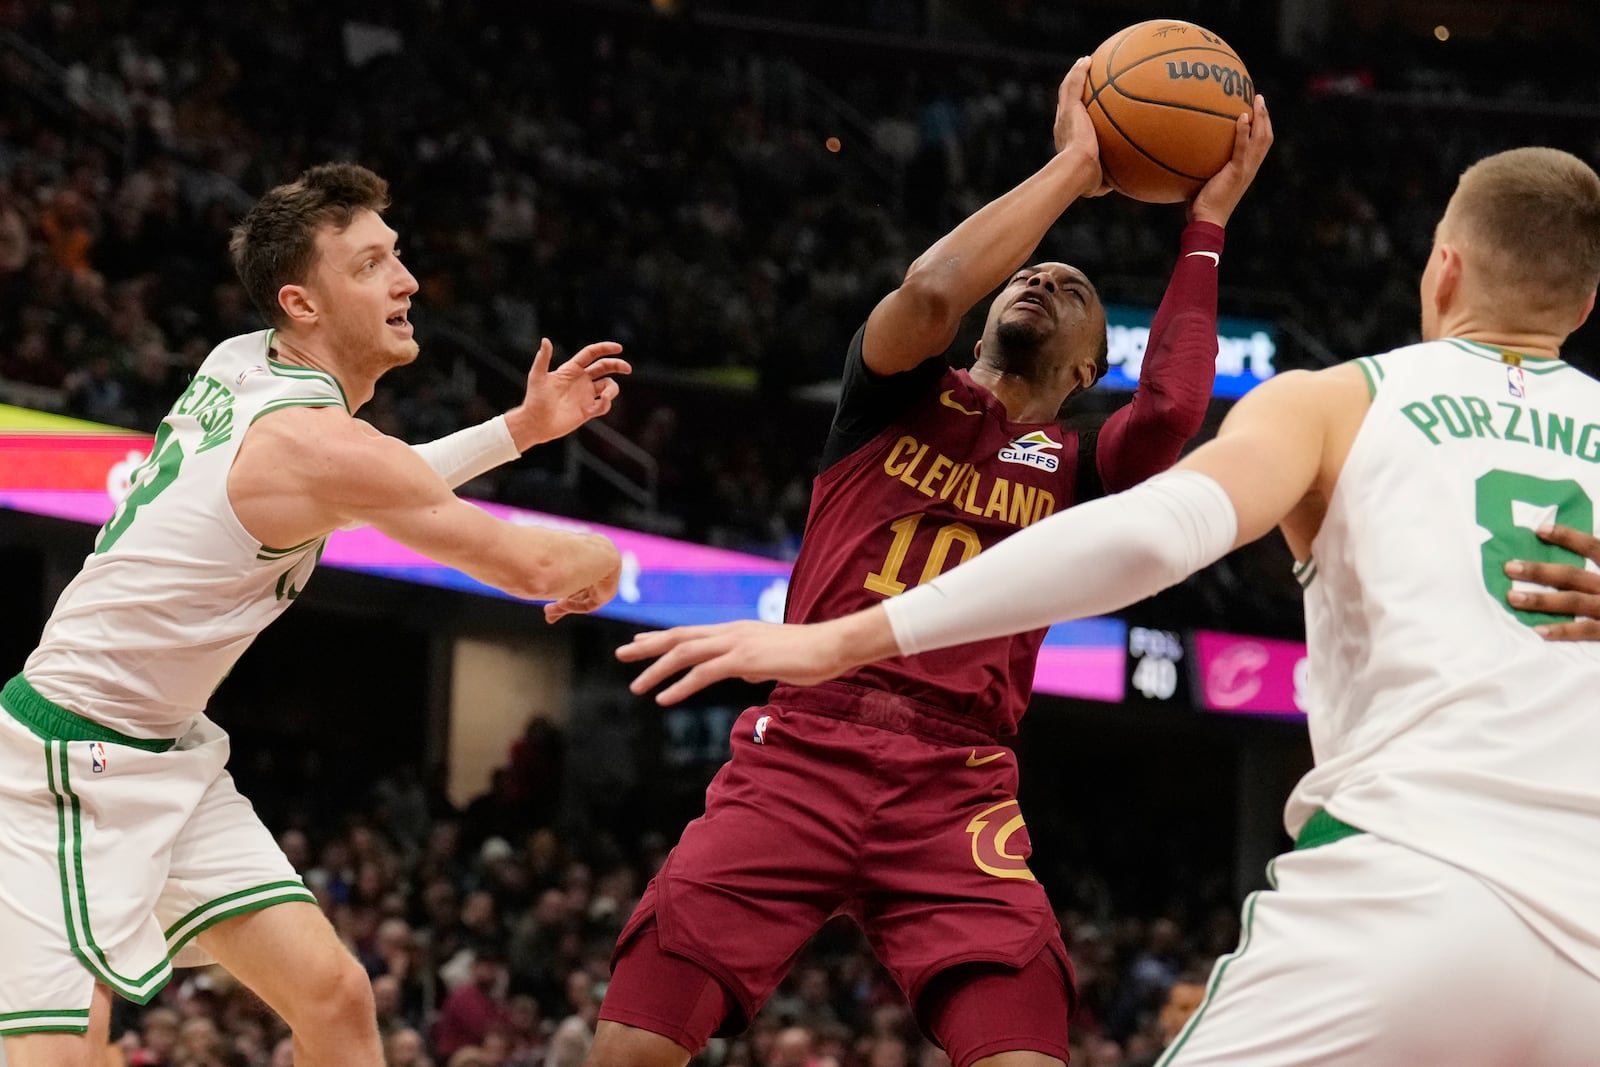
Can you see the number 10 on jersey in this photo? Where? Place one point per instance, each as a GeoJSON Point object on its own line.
{"type": "Point", "coordinates": [886, 579]}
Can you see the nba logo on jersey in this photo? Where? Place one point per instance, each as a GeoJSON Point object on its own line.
{"type": "Point", "coordinates": [247, 372]}
{"type": "Point", "coordinates": [97, 756]}
{"type": "Point", "coordinates": [760, 735]}
{"type": "Point", "coordinates": [1032, 450]}
{"type": "Point", "coordinates": [1516, 384]}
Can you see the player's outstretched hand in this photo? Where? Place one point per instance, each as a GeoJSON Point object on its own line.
{"type": "Point", "coordinates": [590, 598]}
{"type": "Point", "coordinates": [559, 401]}
{"type": "Point", "coordinates": [753, 651]}
{"type": "Point", "coordinates": [1074, 130]}
{"type": "Point", "coordinates": [1573, 590]}
{"type": "Point", "coordinates": [1252, 136]}
{"type": "Point", "coordinates": [600, 565]}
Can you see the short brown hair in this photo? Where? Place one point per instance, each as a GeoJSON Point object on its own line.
{"type": "Point", "coordinates": [1532, 217]}
{"type": "Point", "coordinates": [275, 243]}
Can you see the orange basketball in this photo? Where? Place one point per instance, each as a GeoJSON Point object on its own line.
{"type": "Point", "coordinates": [1164, 96]}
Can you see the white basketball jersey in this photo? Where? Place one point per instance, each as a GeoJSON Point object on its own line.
{"type": "Point", "coordinates": [1440, 720]}
{"type": "Point", "coordinates": [176, 589]}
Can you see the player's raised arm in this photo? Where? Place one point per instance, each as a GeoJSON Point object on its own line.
{"type": "Point", "coordinates": [1148, 434]}
{"type": "Point", "coordinates": [920, 318]}
{"type": "Point", "coordinates": [304, 471]}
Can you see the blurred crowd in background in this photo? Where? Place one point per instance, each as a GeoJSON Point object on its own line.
{"type": "Point", "coordinates": [664, 176]}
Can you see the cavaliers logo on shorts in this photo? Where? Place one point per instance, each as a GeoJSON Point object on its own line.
{"type": "Point", "coordinates": [995, 834]}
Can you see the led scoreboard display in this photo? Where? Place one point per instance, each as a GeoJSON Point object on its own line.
{"type": "Point", "coordinates": [1155, 665]}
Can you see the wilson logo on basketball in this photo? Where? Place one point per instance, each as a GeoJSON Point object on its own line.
{"type": "Point", "coordinates": [1231, 81]}
{"type": "Point", "coordinates": [1000, 844]}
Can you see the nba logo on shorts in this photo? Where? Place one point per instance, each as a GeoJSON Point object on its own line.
{"type": "Point", "coordinates": [97, 756]}
{"type": "Point", "coordinates": [761, 729]}
{"type": "Point", "coordinates": [1516, 385]}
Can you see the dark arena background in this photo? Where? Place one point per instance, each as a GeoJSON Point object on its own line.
{"type": "Point", "coordinates": [726, 188]}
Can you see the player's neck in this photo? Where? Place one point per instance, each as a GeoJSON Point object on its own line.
{"type": "Point", "coordinates": [1018, 395]}
{"type": "Point", "coordinates": [1534, 343]}
{"type": "Point", "coordinates": [303, 353]}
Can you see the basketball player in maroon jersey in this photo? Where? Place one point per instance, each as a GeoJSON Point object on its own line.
{"type": "Point", "coordinates": [886, 795]}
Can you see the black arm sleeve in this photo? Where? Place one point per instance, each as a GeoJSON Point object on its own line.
{"type": "Point", "coordinates": [1089, 485]}
{"type": "Point", "coordinates": [869, 402]}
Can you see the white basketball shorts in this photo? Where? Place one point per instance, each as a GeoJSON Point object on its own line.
{"type": "Point", "coordinates": [114, 853]}
{"type": "Point", "coordinates": [1369, 954]}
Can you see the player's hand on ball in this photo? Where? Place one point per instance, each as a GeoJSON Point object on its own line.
{"type": "Point", "coordinates": [1573, 591]}
{"type": "Point", "coordinates": [753, 651]}
{"type": "Point", "coordinates": [559, 401]}
{"type": "Point", "coordinates": [1252, 136]}
{"type": "Point", "coordinates": [1073, 129]}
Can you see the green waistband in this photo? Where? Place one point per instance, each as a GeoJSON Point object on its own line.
{"type": "Point", "coordinates": [55, 723]}
{"type": "Point", "coordinates": [1324, 829]}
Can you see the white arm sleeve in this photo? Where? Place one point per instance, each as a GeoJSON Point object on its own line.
{"type": "Point", "coordinates": [1089, 559]}
{"type": "Point", "coordinates": [465, 454]}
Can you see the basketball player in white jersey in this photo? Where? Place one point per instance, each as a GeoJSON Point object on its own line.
{"type": "Point", "coordinates": [1442, 905]}
{"type": "Point", "coordinates": [124, 846]}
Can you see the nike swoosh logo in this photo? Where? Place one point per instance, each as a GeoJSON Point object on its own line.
{"type": "Point", "coordinates": [949, 401]}
{"type": "Point", "coordinates": [975, 760]}
{"type": "Point", "coordinates": [1212, 256]}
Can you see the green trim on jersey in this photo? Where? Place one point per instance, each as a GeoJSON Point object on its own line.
{"type": "Point", "coordinates": [1216, 979]}
{"type": "Point", "coordinates": [1324, 829]}
{"type": "Point", "coordinates": [1305, 572]}
{"type": "Point", "coordinates": [74, 895]}
{"type": "Point", "coordinates": [227, 907]}
{"type": "Point", "coordinates": [70, 1021]}
{"type": "Point", "coordinates": [305, 402]}
{"type": "Point", "coordinates": [1372, 370]}
{"type": "Point", "coordinates": [1508, 356]}
{"type": "Point", "coordinates": [310, 374]}
{"type": "Point", "coordinates": [280, 553]}
{"type": "Point", "coordinates": [52, 722]}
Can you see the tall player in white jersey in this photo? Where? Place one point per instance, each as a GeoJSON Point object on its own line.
{"type": "Point", "coordinates": [124, 845]}
{"type": "Point", "coordinates": [1442, 905]}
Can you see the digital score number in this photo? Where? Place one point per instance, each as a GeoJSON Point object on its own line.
{"type": "Point", "coordinates": [1154, 658]}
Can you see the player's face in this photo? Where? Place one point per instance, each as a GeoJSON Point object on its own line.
{"type": "Point", "coordinates": [1046, 322]}
{"type": "Point", "coordinates": [364, 294]}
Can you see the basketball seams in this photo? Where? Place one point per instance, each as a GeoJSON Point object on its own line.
{"type": "Point", "coordinates": [1174, 105]}
{"type": "Point", "coordinates": [1137, 148]}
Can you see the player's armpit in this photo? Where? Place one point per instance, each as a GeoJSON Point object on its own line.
{"type": "Point", "coordinates": [280, 454]}
{"type": "Point", "coordinates": [1268, 454]}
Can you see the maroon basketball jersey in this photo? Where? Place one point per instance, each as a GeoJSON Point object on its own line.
{"type": "Point", "coordinates": [948, 478]}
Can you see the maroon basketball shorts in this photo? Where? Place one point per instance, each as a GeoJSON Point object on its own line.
{"type": "Point", "coordinates": [920, 841]}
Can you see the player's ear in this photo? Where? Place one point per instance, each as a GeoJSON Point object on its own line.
{"type": "Point", "coordinates": [1083, 375]}
{"type": "Point", "coordinates": [297, 304]}
{"type": "Point", "coordinates": [977, 350]}
{"type": "Point", "coordinates": [1583, 316]}
{"type": "Point", "coordinates": [1448, 275]}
